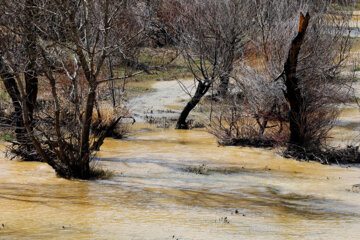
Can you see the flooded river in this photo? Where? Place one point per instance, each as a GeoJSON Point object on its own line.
{"type": "Point", "coordinates": [171, 184]}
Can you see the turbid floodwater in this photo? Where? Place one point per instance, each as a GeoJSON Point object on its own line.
{"type": "Point", "coordinates": [171, 184]}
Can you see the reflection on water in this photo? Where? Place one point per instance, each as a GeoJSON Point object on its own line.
{"type": "Point", "coordinates": [156, 194]}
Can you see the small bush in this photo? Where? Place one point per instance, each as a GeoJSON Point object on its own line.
{"type": "Point", "coordinates": [97, 172]}
{"type": "Point", "coordinates": [238, 123]}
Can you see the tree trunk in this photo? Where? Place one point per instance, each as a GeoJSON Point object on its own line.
{"type": "Point", "coordinates": [224, 86]}
{"type": "Point", "coordinates": [13, 91]}
{"type": "Point", "coordinates": [293, 92]}
{"type": "Point", "coordinates": [25, 149]}
{"type": "Point", "coordinates": [31, 75]}
{"type": "Point", "coordinates": [201, 90]}
{"type": "Point", "coordinates": [84, 163]}
{"type": "Point", "coordinates": [112, 83]}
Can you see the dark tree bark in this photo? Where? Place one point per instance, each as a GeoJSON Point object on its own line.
{"type": "Point", "coordinates": [201, 90]}
{"type": "Point", "coordinates": [13, 91]}
{"type": "Point", "coordinates": [85, 150]}
{"type": "Point", "coordinates": [223, 86]}
{"type": "Point", "coordinates": [31, 73]}
{"type": "Point", "coordinates": [112, 83]}
{"type": "Point", "coordinates": [293, 92]}
{"type": "Point", "coordinates": [23, 146]}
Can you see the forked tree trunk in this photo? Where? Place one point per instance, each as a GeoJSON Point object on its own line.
{"type": "Point", "coordinates": [25, 149]}
{"type": "Point", "coordinates": [201, 90]}
{"type": "Point", "coordinates": [31, 82]}
{"type": "Point", "coordinates": [293, 92]}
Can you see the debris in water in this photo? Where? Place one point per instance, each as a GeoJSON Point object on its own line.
{"type": "Point", "coordinates": [356, 188]}
{"type": "Point", "coordinates": [223, 220]}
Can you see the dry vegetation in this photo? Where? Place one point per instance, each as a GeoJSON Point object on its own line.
{"type": "Point", "coordinates": [67, 68]}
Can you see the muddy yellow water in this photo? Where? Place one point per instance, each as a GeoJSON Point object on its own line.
{"type": "Point", "coordinates": [172, 184]}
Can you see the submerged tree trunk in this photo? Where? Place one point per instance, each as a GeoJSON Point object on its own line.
{"type": "Point", "coordinates": [201, 90]}
{"type": "Point", "coordinates": [293, 93]}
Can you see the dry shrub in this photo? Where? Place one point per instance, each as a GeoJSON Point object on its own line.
{"type": "Point", "coordinates": [313, 88]}
{"type": "Point", "coordinates": [238, 124]}
{"type": "Point", "coordinates": [98, 172]}
{"type": "Point", "coordinates": [105, 116]}
{"type": "Point", "coordinates": [257, 112]}
{"type": "Point", "coordinates": [325, 155]}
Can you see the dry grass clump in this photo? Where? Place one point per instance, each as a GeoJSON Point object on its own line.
{"type": "Point", "coordinates": [108, 117]}
{"type": "Point", "coordinates": [106, 113]}
{"type": "Point", "coordinates": [97, 172]}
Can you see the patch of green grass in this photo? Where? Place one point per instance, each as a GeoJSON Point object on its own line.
{"type": "Point", "coordinates": [136, 91]}
{"type": "Point", "coordinates": [177, 69]}
{"type": "Point", "coordinates": [4, 96]}
{"type": "Point", "coordinates": [338, 7]}
{"type": "Point", "coordinates": [354, 100]}
{"type": "Point", "coordinates": [140, 90]}
{"type": "Point", "coordinates": [356, 69]}
{"type": "Point", "coordinates": [171, 72]}
{"type": "Point", "coordinates": [142, 83]}
{"type": "Point", "coordinates": [357, 6]}
{"type": "Point", "coordinates": [6, 137]}
{"type": "Point", "coordinates": [152, 60]}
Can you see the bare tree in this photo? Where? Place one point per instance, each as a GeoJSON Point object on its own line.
{"type": "Point", "coordinates": [73, 41]}
{"type": "Point", "coordinates": [213, 36]}
{"type": "Point", "coordinates": [314, 59]}
{"type": "Point", "coordinates": [305, 65]}
{"type": "Point", "coordinates": [255, 115]}
{"type": "Point", "coordinates": [18, 37]}
{"type": "Point", "coordinates": [163, 19]}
